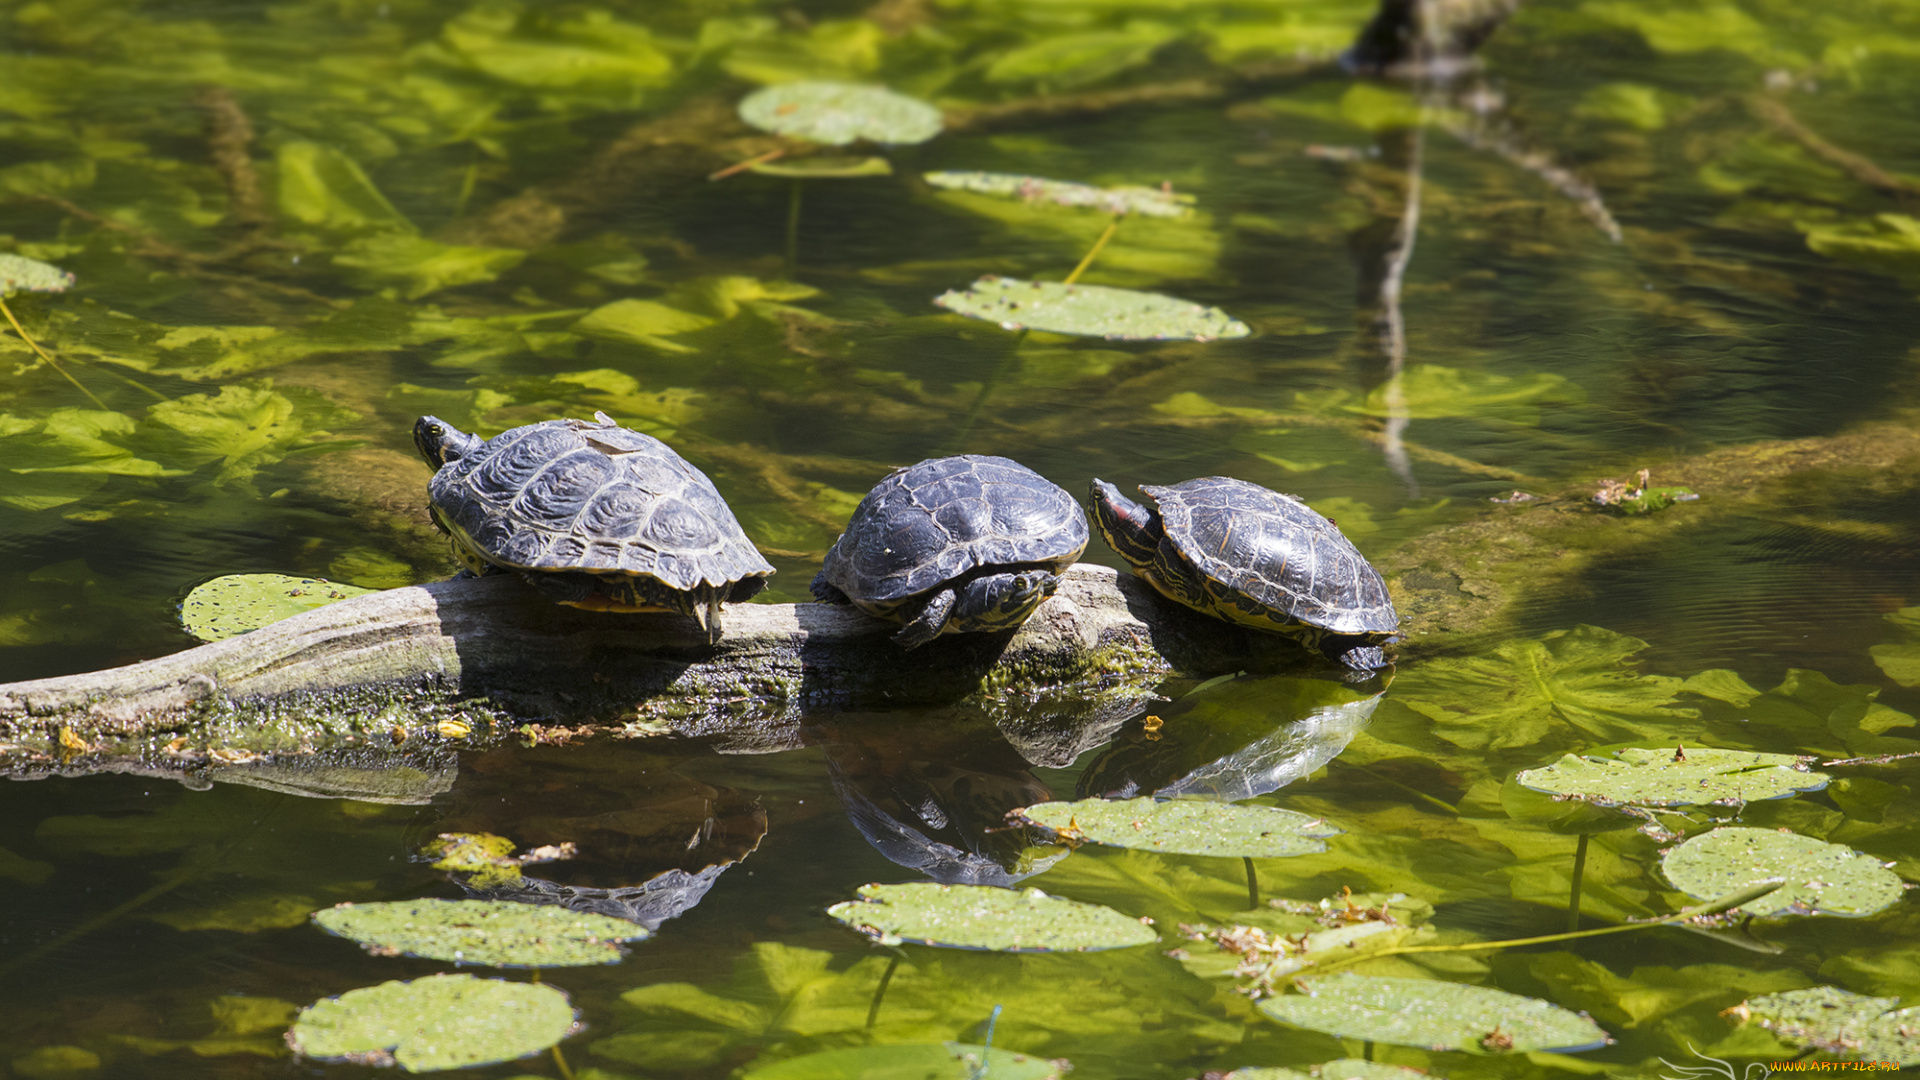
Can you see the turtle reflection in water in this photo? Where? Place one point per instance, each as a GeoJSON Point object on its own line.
{"type": "Point", "coordinates": [1242, 553]}
{"type": "Point", "coordinates": [592, 515]}
{"type": "Point", "coordinates": [954, 545]}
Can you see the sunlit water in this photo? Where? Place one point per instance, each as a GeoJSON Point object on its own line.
{"type": "Point", "coordinates": [1539, 352]}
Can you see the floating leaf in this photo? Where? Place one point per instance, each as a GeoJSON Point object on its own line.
{"type": "Point", "coordinates": [1127, 199]}
{"type": "Point", "coordinates": [912, 1061]}
{"type": "Point", "coordinates": [1090, 311]}
{"type": "Point", "coordinates": [982, 917]}
{"type": "Point", "coordinates": [1268, 945]}
{"type": "Point", "coordinates": [836, 113]}
{"type": "Point", "coordinates": [236, 603]}
{"type": "Point", "coordinates": [825, 168]}
{"type": "Point", "coordinates": [496, 932]}
{"type": "Point", "coordinates": [1433, 1015]}
{"type": "Point", "coordinates": [1841, 1022]}
{"type": "Point", "coordinates": [1822, 878]}
{"type": "Point", "coordinates": [1186, 826]}
{"type": "Point", "coordinates": [439, 1022]}
{"type": "Point", "coordinates": [1669, 776]}
{"type": "Point", "coordinates": [21, 274]}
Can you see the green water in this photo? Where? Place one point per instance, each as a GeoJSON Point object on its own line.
{"type": "Point", "coordinates": [440, 196]}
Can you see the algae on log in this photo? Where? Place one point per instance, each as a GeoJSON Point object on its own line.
{"type": "Point", "coordinates": [373, 662]}
{"type": "Point", "coordinates": [1458, 585]}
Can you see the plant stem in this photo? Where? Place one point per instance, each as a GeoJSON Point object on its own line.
{"type": "Point", "coordinates": [1712, 907]}
{"type": "Point", "coordinates": [1094, 252]}
{"type": "Point", "coordinates": [560, 1060]}
{"type": "Point", "coordinates": [742, 166]}
{"type": "Point", "coordinates": [1253, 884]}
{"type": "Point", "coordinates": [1579, 871]}
{"type": "Point", "coordinates": [1408, 788]}
{"type": "Point", "coordinates": [44, 355]}
{"type": "Point", "coordinates": [793, 230]}
{"type": "Point", "coordinates": [956, 442]}
{"type": "Point", "coordinates": [880, 991]}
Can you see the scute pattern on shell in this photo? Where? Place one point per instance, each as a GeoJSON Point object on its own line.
{"type": "Point", "coordinates": [1276, 550]}
{"type": "Point", "coordinates": [577, 495]}
{"type": "Point", "coordinates": [927, 524]}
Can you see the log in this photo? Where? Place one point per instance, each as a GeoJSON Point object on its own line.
{"type": "Point", "coordinates": [491, 651]}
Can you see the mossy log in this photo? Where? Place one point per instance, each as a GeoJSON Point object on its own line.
{"type": "Point", "coordinates": [389, 663]}
{"type": "Point", "coordinates": [389, 659]}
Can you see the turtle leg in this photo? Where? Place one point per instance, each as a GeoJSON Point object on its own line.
{"type": "Point", "coordinates": [1000, 601]}
{"type": "Point", "coordinates": [705, 610]}
{"type": "Point", "coordinates": [931, 621]}
{"type": "Point", "coordinates": [826, 592]}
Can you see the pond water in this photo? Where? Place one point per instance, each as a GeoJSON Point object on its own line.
{"type": "Point", "coordinates": [1646, 230]}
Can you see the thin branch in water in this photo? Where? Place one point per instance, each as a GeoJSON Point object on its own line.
{"type": "Point", "coordinates": [1484, 132]}
{"type": "Point", "coordinates": [1775, 113]}
{"type": "Point", "coordinates": [44, 355]}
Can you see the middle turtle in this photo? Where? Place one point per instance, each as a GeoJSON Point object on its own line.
{"type": "Point", "coordinates": [953, 545]}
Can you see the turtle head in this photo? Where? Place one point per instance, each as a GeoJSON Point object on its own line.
{"type": "Point", "coordinates": [1132, 530]}
{"type": "Point", "coordinates": [440, 442]}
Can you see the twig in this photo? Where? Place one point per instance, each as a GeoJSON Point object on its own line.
{"type": "Point", "coordinates": [1776, 113]}
{"type": "Point", "coordinates": [1500, 139]}
{"type": "Point", "coordinates": [44, 355]}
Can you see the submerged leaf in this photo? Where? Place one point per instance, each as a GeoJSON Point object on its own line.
{"type": "Point", "coordinates": [983, 917]}
{"type": "Point", "coordinates": [1090, 311]}
{"type": "Point", "coordinates": [420, 266]}
{"type": "Point", "coordinates": [1841, 1022]}
{"type": "Point", "coordinates": [1901, 661]}
{"type": "Point", "coordinates": [912, 1061]}
{"type": "Point", "coordinates": [322, 186]}
{"type": "Point", "coordinates": [1146, 201]}
{"type": "Point", "coordinates": [1822, 878]}
{"type": "Point", "coordinates": [21, 274]}
{"type": "Point", "coordinates": [439, 1022]}
{"type": "Point", "coordinates": [1516, 694]}
{"type": "Point", "coordinates": [1670, 776]}
{"type": "Point", "coordinates": [836, 113]}
{"type": "Point", "coordinates": [236, 603]}
{"type": "Point", "coordinates": [496, 932]}
{"type": "Point", "coordinates": [1433, 1015]}
{"type": "Point", "coordinates": [1186, 827]}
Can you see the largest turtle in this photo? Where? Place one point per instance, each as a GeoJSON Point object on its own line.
{"type": "Point", "coordinates": [1256, 557]}
{"type": "Point", "coordinates": [954, 545]}
{"type": "Point", "coordinates": [592, 515]}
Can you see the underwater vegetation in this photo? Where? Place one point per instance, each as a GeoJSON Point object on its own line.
{"type": "Point", "coordinates": [1602, 347]}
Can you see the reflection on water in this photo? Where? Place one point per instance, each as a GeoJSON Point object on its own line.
{"type": "Point", "coordinates": [296, 228]}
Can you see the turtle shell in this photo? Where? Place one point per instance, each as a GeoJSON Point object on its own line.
{"type": "Point", "coordinates": [931, 523]}
{"type": "Point", "coordinates": [575, 495]}
{"type": "Point", "coordinates": [1287, 562]}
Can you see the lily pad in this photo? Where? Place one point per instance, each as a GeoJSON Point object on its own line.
{"type": "Point", "coordinates": [1837, 1021]}
{"type": "Point", "coordinates": [495, 932]}
{"type": "Point", "coordinates": [1672, 776]}
{"type": "Point", "coordinates": [1186, 827]}
{"type": "Point", "coordinates": [1090, 311]}
{"type": "Point", "coordinates": [983, 917]}
{"type": "Point", "coordinates": [912, 1061]}
{"type": "Point", "coordinates": [1822, 878]}
{"type": "Point", "coordinates": [836, 113]}
{"type": "Point", "coordinates": [236, 603]}
{"type": "Point", "coordinates": [21, 274]}
{"type": "Point", "coordinates": [825, 168]}
{"type": "Point", "coordinates": [1125, 199]}
{"type": "Point", "coordinates": [439, 1022]}
{"type": "Point", "coordinates": [1434, 1015]}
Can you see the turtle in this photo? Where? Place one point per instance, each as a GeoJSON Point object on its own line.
{"type": "Point", "coordinates": [1256, 557]}
{"type": "Point", "coordinates": [954, 545]}
{"type": "Point", "coordinates": [592, 515]}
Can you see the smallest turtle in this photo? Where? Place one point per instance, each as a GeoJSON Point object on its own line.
{"type": "Point", "coordinates": [954, 545]}
{"type": "Point", "coordinates": [1242, 553]}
